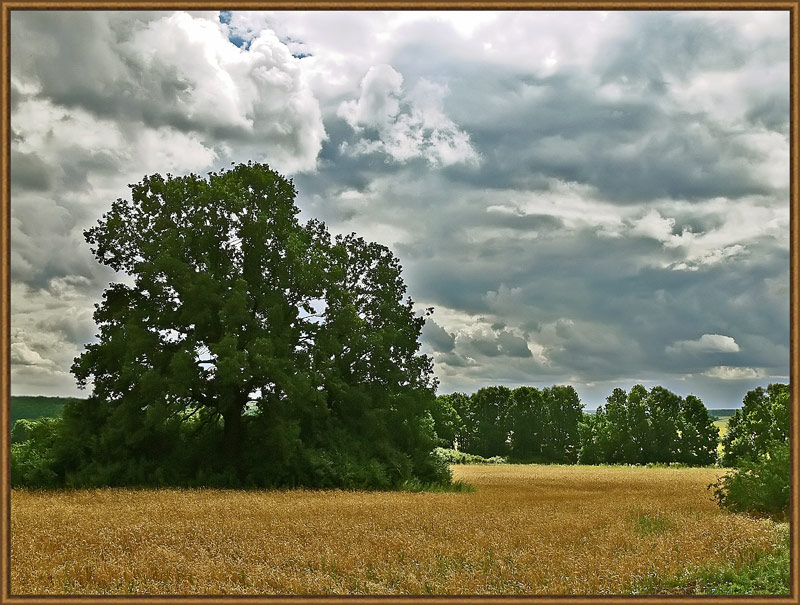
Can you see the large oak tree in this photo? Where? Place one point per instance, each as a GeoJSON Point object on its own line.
{"type": "Point", "coordinates": [288, 355]}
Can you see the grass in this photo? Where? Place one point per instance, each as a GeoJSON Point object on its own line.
{"type": "Point", "coordinates": [525, 529]}
{"type": "Point", "coordinates": [760, 572]}
{"type": "Point", "coordinates": [652, 523]}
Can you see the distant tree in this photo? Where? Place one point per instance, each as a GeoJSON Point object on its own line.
{"type": "Point", "coordinates": [699, 436]}
{"type": "Point", "coordinates": [615, 442]}
{"type": "Point", "coordinates": [592, 432]}
{"type": "Point", "coordinates": [250, 348]}
{"type": "Point", "coordinates": [447, 420]}
{"type": "Point", "coordinates": [664, 408]}
{"type": "Point", "coordinates": [643, 426]}
{"type": "Point", "coordinates": [527, 419]}
{"type": "Point", "coordinates": [561, 438]}
{"type": "Point", "coordinates": [489, 412]}
{"type": "Point", "coordinates": [639, 444]}
{"type": "Point", "coordinates": [762, 421]}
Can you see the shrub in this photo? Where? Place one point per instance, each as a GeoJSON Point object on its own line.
{"type": "Point", "coordinates": [33, 453]}
{"type": "Point", "coordinates": [760, 486]}
{"type": "Point", "coordinates": [455, 457]}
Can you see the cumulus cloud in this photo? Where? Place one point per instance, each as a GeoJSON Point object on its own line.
{"type": "Point", "coordinates": [22, 355]}
{"type": "Point", "coordinates": [436, 336]}
{"type": "Point", "coordinates": [406, 125]}
{"type": "Point", "coordinates": [733, 373]}
{"type": "Point", "coordinates": [172, 75]}
{"type": "Point", "coordinates": [654, 226]}
{"type": "Point", "coordinates": [707, 343]}
{"type": "Point", "coordinates": [498, 343]}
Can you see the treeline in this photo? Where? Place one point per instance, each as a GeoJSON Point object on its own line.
{"type": "Point", "coordinates": [641, 427]}
{"type": "Point", "coordinates": [549, 425]}
{"type": "Point", "coordinates": [525, 424]}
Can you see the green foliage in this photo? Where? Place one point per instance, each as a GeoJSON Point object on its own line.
{"type": "Point", "coordinates": [757, 444]}
{"type": "Point", "coordinates": [450, 456]}
{"type": "Point", "coordinates": [699, 436]}
{"type": "Point", "coordinates": [488, 414]}
{"type": "Point", "coordinates": [760, 486]}
{"type": "Point", "coordinates": [544, 425]}
{"type": "Point", "coordinates": [446, 415]}
{"type": "Point", "coordinates": [250, 350]}
{"type": "Point", "coordinates": [651, 523]}
{"type": "Point", "coordinates": [642, 427]}
{"type": "Point", "coordinates": [762, 421]}
{"type": "Point", "coordinates": [526, 424]}
{"type": "Point", "coordinates": [33, 452]}
{"type": "Point", "coordinates": [21, 430]}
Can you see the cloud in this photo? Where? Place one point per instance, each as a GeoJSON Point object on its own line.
{"type": "Point", "coordinates": [573, 206]}
{"type": "Point", "coordinates": [436, 336]}
{"type": "Point", "coordinates": [707, 343]}
{"type": "Point", "coordinates": [30, 172]}
{"type": "Point", "coordinates": [405, 126]}
{"type": "Point", "coordinates": [175, 73]}
{"type": "Point", "coordinates": [488, 344]}
{"type": "Point", "coordinates": [22, 355]}
{"type": "Point", "coordinates": [733, 373]}
{"type": "Point", "coordinates": [654, 226]}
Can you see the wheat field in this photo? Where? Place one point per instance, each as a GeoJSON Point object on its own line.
{"type": "Point", "coordinates": [525, 529]}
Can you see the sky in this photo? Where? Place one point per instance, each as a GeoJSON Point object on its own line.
{"type": "Point", "coordinates": [590, 198]}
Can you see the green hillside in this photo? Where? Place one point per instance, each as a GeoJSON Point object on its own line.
{"type": "Point", "coordinates": [32, 408]}
{"type": "Point", "coordinates": [722, 413]}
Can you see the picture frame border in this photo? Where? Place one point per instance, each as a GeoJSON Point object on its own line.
{"type": "Point", "coordinates": [7, 6]}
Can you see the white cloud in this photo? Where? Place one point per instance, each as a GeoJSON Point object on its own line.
{"type": "Point", "coordinates": [733, 373]}
{"type": "Point", "coordinates": [654, 226]}
{"type": "Point", "coordinates": [22, 355]}
{"type": "Point", "coordinates": [259, 90]}
{"type": "Point", "coordinates": [707, 343]}
{"type": "Point", "coordinates": [409, 125]}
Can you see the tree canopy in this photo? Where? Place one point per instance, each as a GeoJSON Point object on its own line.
{"type": "Point", "coordinates": [761, 423]}
{"type": "Point", "coordinates": [642, 426]}
{"type": "Point", "coordinates": [250, 348]}
{"type": "Point", "coordinates": [525, 423]}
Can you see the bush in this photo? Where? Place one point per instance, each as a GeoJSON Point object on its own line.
{"type": "Point", "coordinates": [33, 452]}
{"type": "Point", "coordinates": [455, 457]}
{"type": "Point", "coordinates": [760, 486]}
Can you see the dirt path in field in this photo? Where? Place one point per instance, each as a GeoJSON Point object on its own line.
{"type": "Point", "coordinates": [525, 529]}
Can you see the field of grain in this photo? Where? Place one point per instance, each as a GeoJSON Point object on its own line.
{"type": "Point", "coordinates": [525, 529]}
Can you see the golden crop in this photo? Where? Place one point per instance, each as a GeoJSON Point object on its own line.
{"type": "Point", "coordinates": [525, 529]}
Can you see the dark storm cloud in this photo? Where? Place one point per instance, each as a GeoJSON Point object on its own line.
{"type": "Point", "coordinates": [439, 339]}
{"type": "Point", "coordinates": [565, 131]}
{"type": "Point", "coordinates": [503, 344]}
{"type": "Point", "coordinates": [30, 172]}
{"type": "Point", "coordinates": [632, 149]}
{"type": "Point", "coordinates": [668, 45]}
